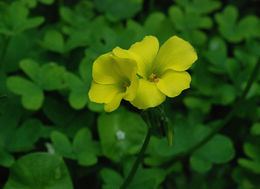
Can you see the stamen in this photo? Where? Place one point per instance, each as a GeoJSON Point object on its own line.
{"type": "Point", "coordinates": [126, 85]}
{"type": "Point", "coordinates": [153, 78]}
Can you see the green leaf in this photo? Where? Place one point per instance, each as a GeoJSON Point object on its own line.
{"type": "Point", "coordinates": [149, 178]}
{"type": "Point", "coordinates": [78, 97]}
{"type": "Point", "coordinates": [59, 113]}
{"type": "Point", "coordinates": [9, 119]}
{"type": "Point", "coordinates": [233, 30]}
{"type": "Point", "coordinates": [121, 133]}
{"type": "Point", "coordinates": [14, 19]}
{"type": "Point", "coordinates": [95, 107]}
{"type": "Point", "coordinates": [200, 165]}
{"type": "Point", "coordinates": [159, 25]}
{"type": "Point", "coordinates": [6, 159]}
{"type": "Point", "coordinates": [250, 26]}
{"type": "Point", "coordinates": [53, 41]}
{"type": "Point", "coordinates": [111, 178]}
{"type": "Point", "coordinates": [51, 77]}
{"type": "Point", "coordinates": [189, 23]}
{"type": "Point", "coordinates": [197, 103]}
{"type": "Point", "coordinates": [199, 6]}
{"type": "Point", "coordinates": [253, 166]}
{"type": "Point", "coordinates": [39, 170]}
{"type": "Point", "coordinates": [12, 56]}
{"type": "Point", "coordinates": [85, 148]}
{"type": "Point", "coordinates": [62, 144]}
{"type": "Point", "coordinates": [32, 95]}
{"type": "Point", "coordinates": [119, 10]}
{"type": "Point", "coordinates": [24, 138]}
{"type": "Point", "coordinates": [217, 54]}
{"type": "Point", "coordinates": [255, 129]}
{"type": "Point", "coordinates": [225, 94]}
{"type": "Point", "coordinates": [30, 68]}
{"type": "Point", "coordinates": [218, 150]}
{"type": "Point", "coordinates": [252, 151]}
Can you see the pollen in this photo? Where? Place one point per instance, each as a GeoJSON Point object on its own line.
{"type": "Point", "coordinates": [154, 78]}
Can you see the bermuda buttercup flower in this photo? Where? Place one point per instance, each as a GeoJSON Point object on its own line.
{"type": "Point", "coordinates": [114, 79]}
{"type": "Point", "coordinates": [161, 71]}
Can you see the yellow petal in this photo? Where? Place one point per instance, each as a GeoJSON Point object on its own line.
{"type": "Point", "coordinates": [114, 103]}
{"type": "Point", "coordinates": [132, 89]}
{"type": "Point", "coordinates": [110, 69]}
{"type": "Point", "coordinates": [148, 95]}
{"type": "Point", "coordinates": [103, 71]}
{"type": "Point", "coordinates": [172, 83]}
{"type": "Point", "coordinates": [176, 54]}
{"type": "Point", "coordinates": [100, 93]}
{"type": "Point", "coordinates": [124, 67]}
{"type": "Point", "coordinates": [144, 52]}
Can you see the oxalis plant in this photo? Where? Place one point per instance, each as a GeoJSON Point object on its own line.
{"type": "Point", "coordinates": [90, 94]}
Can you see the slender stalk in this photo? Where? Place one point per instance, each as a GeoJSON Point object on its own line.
{"type": "Point", "coordinates": [137, 161]}
{"type": "Point", "coordinates": [217, 128]}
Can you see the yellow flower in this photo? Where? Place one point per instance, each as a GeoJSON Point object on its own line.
{"type": "Point", "coordinates": [114, 79]}
{"type": "Point", "coordinates": [162, 71]}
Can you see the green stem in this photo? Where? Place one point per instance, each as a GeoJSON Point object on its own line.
{"type": "Point", "coordinates": [217, 128]}
{"type": "Point", "coordinates": [137, 161]}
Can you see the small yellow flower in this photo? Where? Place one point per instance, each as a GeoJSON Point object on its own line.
{"type": "Point", "coordinates": [114, 79]}
{"type": "Point", "coordinates": [162, 71]}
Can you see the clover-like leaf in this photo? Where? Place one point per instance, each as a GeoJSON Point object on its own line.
{"type": "Point", "coordinates": [255, 129]}
{"type": "Point", "coordinates": [159, 25]}
{"type": "Point", "coordinates": [25, 136]}
{"type": "Point", "coordinates": [232, 29]}
{"type": "Point", "coordinates": [32, 95]}
{"type": "Point", "coordinates": [14, 19]}
{"type": "Point", "coordinates": [30, 68]}
{"type": "Point", "coordinates": [53, 41]}
{"type": "Point", "coordinates": [200, 6]}
{"type": "Point", "coordinates": [218, 150]}
{"type": "Point", "coordinates": [227, 21]}
{"type": "Point", "coordinates": [51, 77]}
{"type": "Point", "coordinates": [39, 170]}
{"type": "Point", "coordinates": [189, 24]}
{"type": "Point", "coordinates": [145, 178]}
{"type": "Point", "coordinates": [119, 10]}
{"type": "Point", "coordinates": [121, 133]}
{"type": "Point", "coordinates": [85, 149]}
{"type": "Point", "coordinates": [78, 97]}
{"type": "Point", "coordinates": [217, 55]}
{"type": "Point", "coordinates": [62, 144]}
{"type": "Point", "coordinates": [199, 164]}
{"type": "Point", "coordinates": [6, 159]}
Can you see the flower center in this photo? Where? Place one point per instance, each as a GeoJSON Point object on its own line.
{"type": "Point", "coordinates": [153, 78]}
{"type": "Point", "coordinates": [126, 85]}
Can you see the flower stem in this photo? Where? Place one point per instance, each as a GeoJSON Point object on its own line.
{"type": "Point", "coordinates": [138, 160]}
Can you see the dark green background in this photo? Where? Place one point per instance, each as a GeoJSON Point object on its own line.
{"type": "Point", "coordinates": [52, 136]}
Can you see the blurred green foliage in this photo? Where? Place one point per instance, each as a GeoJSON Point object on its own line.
{"type": "Point", "coordinates": [52, 136]}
